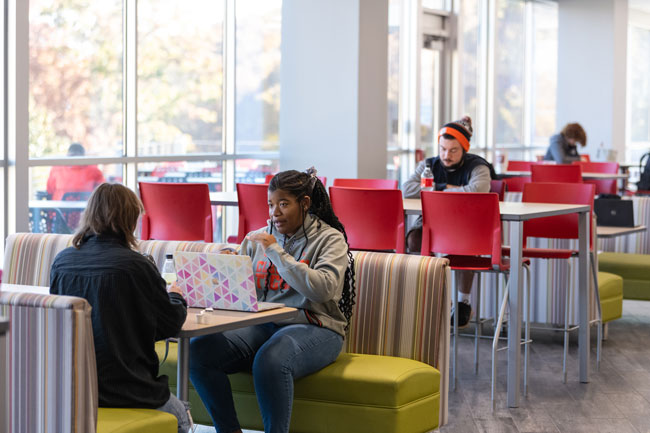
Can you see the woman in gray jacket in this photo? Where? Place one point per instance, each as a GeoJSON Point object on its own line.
{"type": "Point", "coordinates": [301, 259]}
{"type": "Point", "coordinates": [563, 147]}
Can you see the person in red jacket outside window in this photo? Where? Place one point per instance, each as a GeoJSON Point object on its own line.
{"type": "Point", "coordinates": [73, 178]}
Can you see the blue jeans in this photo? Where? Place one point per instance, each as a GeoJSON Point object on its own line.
{"type": "Point", "coordinates": [277, 355]}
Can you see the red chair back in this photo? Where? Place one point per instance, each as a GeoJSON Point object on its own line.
{"type": "Point", "coordinates": [268, 177]}
{"type": "Point", "coordinates": [564, 173]}
{"type": "Point", "coordinates": [373, 218]}
{"type": "Point", "coordinates": [366, 183]}
{"type": "Point", "coordinates": [461, 223]}
{"type": "Point", "coordinates": [561, 226]}
{"type": "Point", "coordinates": [585, 158]}
{"type": "Point", "coordinates": [516, 184]}
{"type": "Point", "coordinates": [499, 187]}
{"type": "Point", "coordinates": [604, 186]}
{"type": "Point", "coordinates": [515, 165]}
{"type": "Point", "coordinates": [253, 199]}
{"type": "Point", "coordinates": [176, 211]}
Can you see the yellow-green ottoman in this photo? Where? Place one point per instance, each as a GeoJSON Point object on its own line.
{"type": "Point", "coordinates": [110, 420]}
{"type": "Point", "coordinates": [357, 393]}
{"type": "Point", "coordinates": [610, 289]}
{"type": "Point", "coordinates": [635, 270]}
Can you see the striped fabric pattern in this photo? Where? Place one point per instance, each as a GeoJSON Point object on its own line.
{"type": "Point", "coordinates": [51, 364]}
{"type": "Point", "coordinates": [158, 249]}
{"type": "Point", "coordinates": [402, 309]}
{"type": "Point", "coordinates": [28, 257]}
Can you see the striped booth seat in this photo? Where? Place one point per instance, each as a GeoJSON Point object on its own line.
{"type": "Point", "coordinates": [53, 375]}
{"type": "Point", "coordinates": [394, 374]}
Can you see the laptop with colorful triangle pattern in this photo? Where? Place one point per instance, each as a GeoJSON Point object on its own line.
{"type": "Point", "coordinates": [222, 281]}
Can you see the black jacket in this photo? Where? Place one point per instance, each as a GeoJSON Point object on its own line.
{"type": "Point", "coordinates": [131, 310]}
{"type": "Point", "coordinates": [459, 176]}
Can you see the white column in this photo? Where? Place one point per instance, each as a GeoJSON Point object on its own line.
{"type": "Point", "coordinates": [333, 105]}
{"type": "Point", "coordinates": [17, 116]}
{"type": "Point", "coordinates": [592, 57]}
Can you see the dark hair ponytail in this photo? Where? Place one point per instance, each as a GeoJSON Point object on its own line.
{"type": "Point", "coordinates": [301, 184]}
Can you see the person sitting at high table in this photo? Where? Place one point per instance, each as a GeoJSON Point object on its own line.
{"type": "Point", "coordinates": [302, 259]}
{"type": "Point", "coordinates": [73, 178]}
{"type": "Point", "coordinates": [562, 148]}
{"type": "Point", "coordinates": [131, 309]}
{"type": "Point", "coordinates": [455, 169]}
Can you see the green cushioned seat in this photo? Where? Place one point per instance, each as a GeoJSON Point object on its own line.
{"type": "Point", "coordinates": [610, 288]}
{"type": "Point", "coordinates": [360, 393]}
{"type": "Point", "coordinates": [635, 270]}
{"type": "Point", "coordinates": [110, 420]}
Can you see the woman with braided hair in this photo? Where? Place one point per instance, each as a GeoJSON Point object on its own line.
{"type": "Point", "coordinates": [301, 259]}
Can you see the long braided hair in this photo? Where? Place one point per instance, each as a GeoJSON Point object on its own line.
{"type": "Point", "coordinates": [301, 184]}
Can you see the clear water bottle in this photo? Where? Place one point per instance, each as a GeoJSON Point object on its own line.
{"type": "Point", "coordinates": [426, 179]}
{"type": "Point", "coordinates": [168, 270]}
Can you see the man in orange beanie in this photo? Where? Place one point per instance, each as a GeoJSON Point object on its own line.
{"type": "Point", "coordinates": [453, 170]}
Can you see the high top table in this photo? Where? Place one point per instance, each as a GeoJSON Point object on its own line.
{"type": "Point", "coordinates": [585, 175]}
{"type": "Point", "coordinates": [516, 213]}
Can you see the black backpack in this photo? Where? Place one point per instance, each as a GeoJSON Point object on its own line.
{"type": "Point", "coordinates": [644, 168]}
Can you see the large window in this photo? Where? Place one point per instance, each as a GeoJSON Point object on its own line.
{"type": "Point", "coordinates": [180, 76]}
{"type": "Point", "coordinates": [638, 85]}
{"type": "Point", "coordinates": [75, 76]}
{"type": "Point", "coordinates": [508, 74]}
{"type": "Point", "coordinates": [148, 90]}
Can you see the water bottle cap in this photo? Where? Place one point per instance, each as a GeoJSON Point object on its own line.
{"type": "Point", "coordinates": [169, 256]}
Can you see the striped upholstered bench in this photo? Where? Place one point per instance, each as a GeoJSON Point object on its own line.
{"type": "Point", "coordinates": [395, 371]}
{"type": "Point", "coordinates": [53, 384]}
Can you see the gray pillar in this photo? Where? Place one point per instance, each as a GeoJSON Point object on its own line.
{"type": "Point", "coordinates": [592, 58]}
{"type": "Point", "coordinates": [334, 87]}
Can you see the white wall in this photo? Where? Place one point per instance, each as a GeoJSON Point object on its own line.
{"type": "Point", "coordinates": [592, 41]}
{"type": "Point", "coordinates": [334, 87]}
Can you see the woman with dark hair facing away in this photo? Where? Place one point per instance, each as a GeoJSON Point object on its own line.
{"type": "Point", "coordinates": [301, 259]}
{"type": "Point", "coordinates": [131, 309]}
{"type": "Point", "coordinates": [562, 148]}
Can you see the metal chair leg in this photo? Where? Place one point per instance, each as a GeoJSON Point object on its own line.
{"type": "Point", "coordinates": [495, 343]}
{"type": "Point", "coordinates": [527, 331]}
{"type": "Point", "coordinates": [477, 331]}
{"type": "Point", "coordinates": [454, 302]}
{"type": "Point", "coordinates": [566, 327]}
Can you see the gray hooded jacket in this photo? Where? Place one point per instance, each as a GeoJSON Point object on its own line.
{"type": "Point", "coordinates": [307, 272]}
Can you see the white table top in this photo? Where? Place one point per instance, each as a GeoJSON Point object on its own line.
{"type": "Point", "coordinates": [224, 320]}
{"type": "Point", "coordinates": [612, 232]}
{"type": "Point", "coordinates": [223, 198]}
{"type": "Point", "coordinates": [589, 176]}
{"type": "Point", "coordinates": [512, 211]}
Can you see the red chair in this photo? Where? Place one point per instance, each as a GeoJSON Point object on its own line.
{"type": "Point", "coordinates": [366, 183]}
{"type": "Point", "coordinates": [604, 186]}
{"type": "Point", "coordinates": [467, 228]}
{"type": "Point", "coordinates": [564, 173]}
{"type": "Point", "coordinates": [176, 211]}
{"type": "Point", "coordinates": [515, 165]}
{"type": "Point", "coordinates": [373, 218]}
{"type": "Point", "coordinates": [499, 187]}
{"type": "Point", "coordinates": [268, 177]}
{"type": "Point", "coordinates": [253, 199]}
{"type": "Point", "coordinates": [559, 227]}
{"type": "Point", "coordinates": [585, 158]}
{"type": "Point", "coordinates": [516, 184]}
